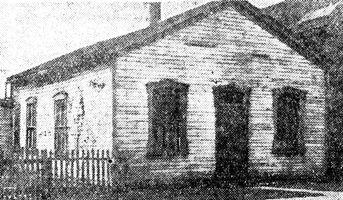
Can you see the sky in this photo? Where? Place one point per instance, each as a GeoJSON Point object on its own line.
{"type": "Point", "coordinates": [264, 3]}
{"type": "Point", "coordinates": [33, 32]}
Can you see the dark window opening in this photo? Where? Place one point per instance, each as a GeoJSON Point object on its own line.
{"type": "Point", "coordinates": [31, 131]}
{"type": "Point", "coordinates": [167, 119]}
{"type": "Point", "coordinates": [61, 125]}
{"type": "Point", "coordinates": [289, 105]}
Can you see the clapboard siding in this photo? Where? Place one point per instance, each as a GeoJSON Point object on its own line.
{"type": "Point", "coordinates": [89, 111]}
{"type": "Point", "coordinates": [237, 51]}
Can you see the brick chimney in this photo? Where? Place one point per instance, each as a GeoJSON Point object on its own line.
{"type": "Point", "coordinates": [154, 12]}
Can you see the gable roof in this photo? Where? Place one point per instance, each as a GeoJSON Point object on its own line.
{"type": "Point", "coordinates": [89, 57]}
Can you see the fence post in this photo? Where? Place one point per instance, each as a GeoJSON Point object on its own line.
{"type": "Point", "coordinates": [47, 169]}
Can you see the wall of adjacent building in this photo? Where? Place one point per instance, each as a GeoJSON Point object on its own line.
{"type": "Point", "coordinates": [6, 136]}
{"type": "Point", "coordinates": [89, 111]}
{"type": "Point", "coordinates": [223, 48]}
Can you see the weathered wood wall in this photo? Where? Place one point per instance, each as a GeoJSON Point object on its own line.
{"type": "Point", "coordinates": [223, 48]}
{"type": "Point", "coordinates": [89, 110]}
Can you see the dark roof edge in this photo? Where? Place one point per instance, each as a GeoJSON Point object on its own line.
{"type": "Point", "coordinates": [89, 57]}
{"type": "Point", "coordinates": [114, 46]}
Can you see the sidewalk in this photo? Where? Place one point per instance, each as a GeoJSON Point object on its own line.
{"type": "Point", "coordinates": [327, 194]}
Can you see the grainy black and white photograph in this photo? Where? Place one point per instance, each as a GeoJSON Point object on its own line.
{"type": "Point", "coordinates": [164, 100]}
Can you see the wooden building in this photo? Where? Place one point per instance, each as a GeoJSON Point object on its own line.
{"type": "Point", "coordinates": [6, 136]}
{"type": "Point", "coordinates": [221, 87]}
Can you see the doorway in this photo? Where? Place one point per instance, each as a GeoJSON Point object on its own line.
{"type": "Point", "coordinates": [232, 119]}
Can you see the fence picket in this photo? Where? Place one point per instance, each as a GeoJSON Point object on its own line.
{"type": "Point", "coordinates": [54, 166]}
{"type": "Point", "coordinates": [103, 161]}
{"type": "Point", "coordinates": [98, 167]}
{"type": "Point", "coordinates": [73, 168]}
{"type": "Point", "coordinates": [72, 177]}
{"type": "Point", "coordinates": [44, 167]}
{"type": "Point", "coordinates": [20, 156]}
{"type": "Point", "coordinates": [25, 158]}
{"type": "Point", "coordinates": [66, 158]}
{"type": "Point", "coordinates": [38, 165]}
{"type": "Point", "coordinates": [83, 167]}
{"type": "Point", "coordinates": [61, 168]}
{"type": "Point", "coordinates": [93, 167]}
{"type": "Point", "coordinates": [88, 171]}
{"type": "Point", "coordinates": [77, 167]}
{"type": "Point", "coordinates": [108, 167]}
{"type": "Point", "coordinates": [41, 159]}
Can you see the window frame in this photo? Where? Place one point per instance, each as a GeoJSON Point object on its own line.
{"type": "Point", "coordinates": [61, 129]}
{"type": "Point", "coordinates": [31, 123]}
{"type": "Point", "coordinates": [182, 141]}
{"type": "Point", "coordinates": [299, 147]}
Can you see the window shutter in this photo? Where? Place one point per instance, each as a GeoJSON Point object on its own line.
{"type": "Point", "coordinates": [34, 114]}
{"type": "Point", "coordinates": [152, 137]}
{"type": "Point", "coordinates": [302, 114]}
{"type": "Point", "coordinates": [34, 123]}
{"type": "Point", "coordinates": [277, 142]}
{"type": "Point", "coordinates": [167, 102]}
{"type": "Point", "coordinates": [158, 143]}
{"type": "Point", "coordinates": [183, 122]}
{"type": "Point", "coordinates": [158, 124]}
{"type": "Point", "coordinates": [289, 113]}
{"type": "Point", "coordinates": [28, 113]}
{"type": "Point", "coordinates": [281, 144]}
{"type": "Point", "coordinates": [170, 123]}
{"type": "Point", "coordinates": [246, 104]}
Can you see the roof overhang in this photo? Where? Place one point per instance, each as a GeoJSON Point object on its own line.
{"type": "Point", "coordinates": [90, 57]}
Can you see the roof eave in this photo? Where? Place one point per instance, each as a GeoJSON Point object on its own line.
{"type": "Point", "coordinates": [115, 46]}
{"type": "Point", "coordinates": [99, 53]}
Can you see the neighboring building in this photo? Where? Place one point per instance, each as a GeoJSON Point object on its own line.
{"type": "Point", "coordinates": [3, 75]}
{"type": "Point", "coordinates": [220, 87]}
{"type": "Point", "coordinates": [6, 108]}
{"type": "Point", "coordinates": [319, 20]}
{"type": "Point", "coordinates": [6, 133]}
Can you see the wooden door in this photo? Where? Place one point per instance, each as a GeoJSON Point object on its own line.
{"type": "Point", "coordinates": [232, 111]}
{"type": "Point", "coordinates": [166, 123]}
